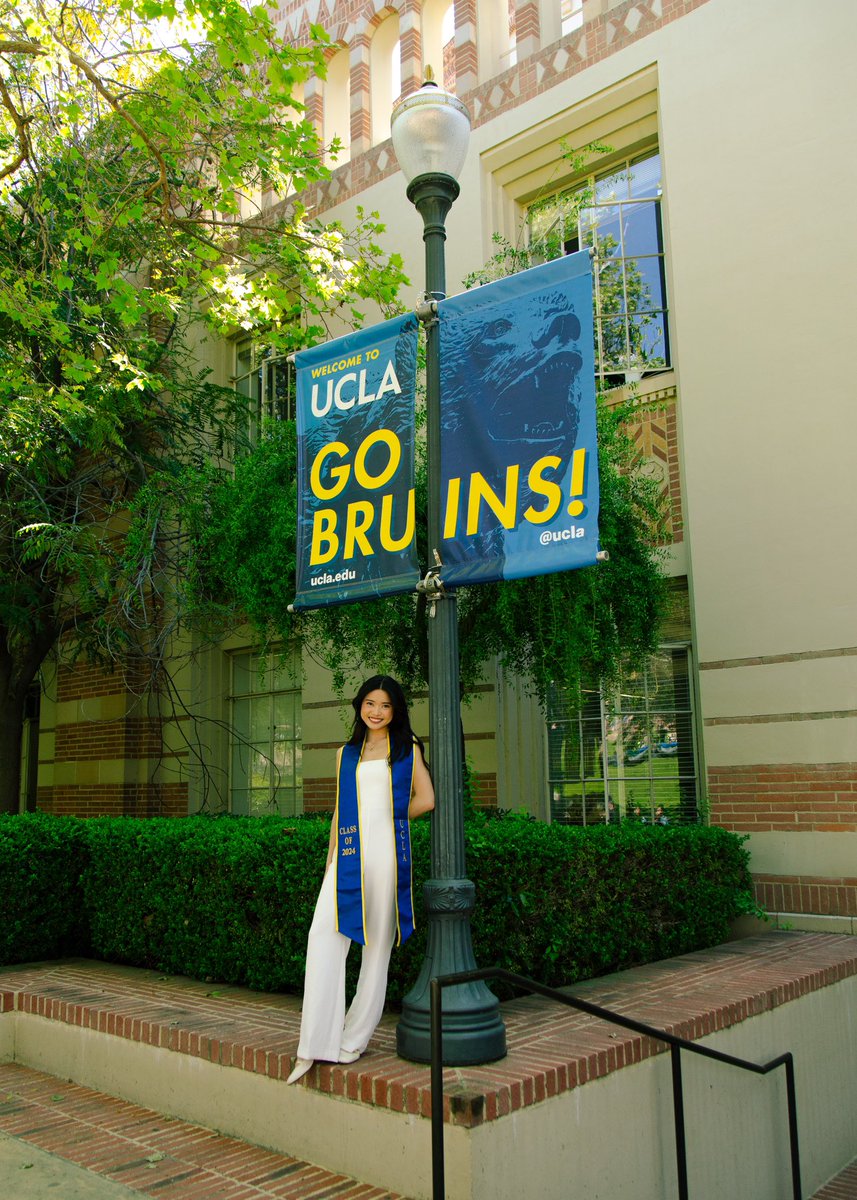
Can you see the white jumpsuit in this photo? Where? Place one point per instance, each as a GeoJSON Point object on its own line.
{"type": "Point", "coordinates": [325, 1029]}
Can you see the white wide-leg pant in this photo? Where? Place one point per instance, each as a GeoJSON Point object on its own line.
{"type": "Point", "coordinates": [325, 1029]}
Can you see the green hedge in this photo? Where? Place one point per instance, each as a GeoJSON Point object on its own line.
{"type": "Point", "coordinates": [41, 905]}
{"type": "Point", "coordinates": [231, 899]}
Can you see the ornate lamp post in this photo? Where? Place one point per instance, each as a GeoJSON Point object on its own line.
{"type": "Point", "coordinates": [431, 130]}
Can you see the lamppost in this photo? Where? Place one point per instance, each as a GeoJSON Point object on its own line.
{"type": "Point", "coordinates": [431, 129]}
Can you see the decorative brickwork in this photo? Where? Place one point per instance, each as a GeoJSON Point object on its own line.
{"type": "Point", "coordinates": [787, 797]}
{"type": "Point", "coordinates": [351, 24]}
{"type": "Point", "coordinates": [115, 800]}
{"type": "Point", "coordinates": [807, 894]}
{"type": "Point", "coordinates": [411, 54]}
{"type": "Point", "coordinates": [361, 114]}
{"type": "Point", "coordinates": [85, 680]}
{"type": "Point", "coordinates": [320, 794]}
{"type": "Point", "coordinates": [655, 434]}
{"type": "Point", "coordinates": [127, 737]}
{"type": "Point", "coordinates": [466, 50]}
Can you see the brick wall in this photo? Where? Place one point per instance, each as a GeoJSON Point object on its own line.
{"type": "Point", "coordinates": [807, 894]}
{"type": "Point", "coordinates": [126, 737]}
{"type": "Point", "coordinates": [795, 797]}
{"type": "Point", "coordinates": [115, 800]}
{"type": "Point", "coordinates": [791, 798]}
{"type": "Point", "coordinates": [129, 737]}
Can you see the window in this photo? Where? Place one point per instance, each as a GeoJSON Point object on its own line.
{"type": "Point", "coordinates": [268, 381]}
{"type": "Point", "coordinates": [266, 772]}
{"type": "Point", "coordinates": [622, 755]}
{"type": "Point", "coordinates": [570, 15]}
{"type": "Point", "coordinates": [618, 215]}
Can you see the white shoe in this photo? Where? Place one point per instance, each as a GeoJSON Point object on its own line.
{"type": "Point", "coordinates": [302, 1065]}
{"type": "Point", "coordinates": [349, 1056]}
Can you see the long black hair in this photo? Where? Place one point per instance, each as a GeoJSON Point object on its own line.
{"type": "Point", "coordinates": [402, 737]}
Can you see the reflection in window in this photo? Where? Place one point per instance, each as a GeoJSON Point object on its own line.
{"type": "Point", "coordinates": [618, 214]}
{"type": "Point", "coordinates": [266, 771]}
{"type": "Point", "coordinates": [629, 754]}
{"type": "Point", "coordinates": [267, 380]}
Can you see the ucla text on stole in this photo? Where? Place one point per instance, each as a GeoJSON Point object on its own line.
{"type": "Point", "coordinates": [366, 525]}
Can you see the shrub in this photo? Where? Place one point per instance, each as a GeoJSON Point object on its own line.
{"type": "Point", "coordinates": [40, 863]}
{"type": "Point", "coordinates": [231, 898]}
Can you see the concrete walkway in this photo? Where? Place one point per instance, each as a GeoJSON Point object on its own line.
{"type": "Point", "coordinates": [27, 1173]}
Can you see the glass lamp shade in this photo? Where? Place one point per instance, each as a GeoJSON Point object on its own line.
{"type": "Point", "coordinates": [431, 130]}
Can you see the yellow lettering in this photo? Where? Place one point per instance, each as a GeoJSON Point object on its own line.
{"type": "Point", "coordinates": [358, 519]}
{"type": "Point", "coordinates": [386, 531]}
{"type": "Point", "coordinates": [387, 438]}
{"type": "Point", "coordinates": [503, 509]}
{"type": "Point", "coordinates": [338, 474]}
{"type": "Point", "coordinates": [450, 520]}
{"type": "Point", "coordinates": [544, 487]}
{"type": "Point", "coordinates": [323, 535]}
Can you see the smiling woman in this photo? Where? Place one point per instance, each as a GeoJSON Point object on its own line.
{"type": "Point", "coordinates": [382, 782]}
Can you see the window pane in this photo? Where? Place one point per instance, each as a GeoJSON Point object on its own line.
{"type": "Point", "coordinates": [643, 283]}
{"type": "Point", "coordinates": [240, 674]}
{"type": "Point", "coordinates": [260, 803]}
{"type": "Point", "coordinates": [266, 755]}
{"type": "Point", "coordinates": [640, 232]}
{"type": "Point", "coordinates": [633, 751]}
{"type": "Point", "coordinates": [260, 767]}
{"type": "Point", "coordinates": [613, 186]}
{"type": "Point", "coordinates": [645, 176]}
{"type": "Point", "coordinates": [647, 336]}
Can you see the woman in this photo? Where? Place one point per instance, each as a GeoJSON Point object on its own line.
{"type": "Point", "coordinates": [382, 783]}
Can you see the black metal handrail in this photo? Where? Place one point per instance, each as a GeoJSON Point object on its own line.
{"type": "Point", "coordinates": [676, 1045]}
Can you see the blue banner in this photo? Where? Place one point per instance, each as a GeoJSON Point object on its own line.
{"type": "Point", "coordinates": [356, 504]}
{"type": "Point", "coordinates": [519, 458]}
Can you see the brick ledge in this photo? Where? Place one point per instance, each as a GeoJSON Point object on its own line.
{"type": "Point", "coordinates": [552, 1049]}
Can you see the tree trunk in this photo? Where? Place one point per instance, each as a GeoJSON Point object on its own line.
{"type": "Point", "coordinates": [11, 727]}
{"type": "Point", "coordinates": [19, 664]}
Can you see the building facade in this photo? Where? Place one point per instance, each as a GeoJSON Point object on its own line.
{"type": "Point", "coordinates": [707, 126]}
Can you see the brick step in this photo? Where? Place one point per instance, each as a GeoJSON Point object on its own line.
{"type": "Point", "coordinates": [842, 1187]}
{"type": "Point", "coordinates": [155, 1155]}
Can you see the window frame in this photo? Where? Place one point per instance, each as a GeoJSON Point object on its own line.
{"type": "Point", "coordinates": [263, 404]}
{"type": "Point", "coordinates": [278, 782]}
{"type": "Point", "coordinates": [569, 231]}
{"type": "Point", "coordinates": [614, 781]}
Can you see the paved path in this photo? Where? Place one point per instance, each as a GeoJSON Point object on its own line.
{"type": "Point", "coordinates": [27, 1173]}
{"type": "Point", "coordinates": [127, 1151]}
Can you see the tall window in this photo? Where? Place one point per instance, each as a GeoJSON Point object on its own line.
{"type": "Point", "coordinates": [618, 215]}
{"type": "Point", "coordinates": [570, 15]}
{"type": "Point", "coordinates": [266, 772]}
{"type": "Point", "coordinates": [626, 754]}
{"type": "Point", "coordinates": [268, 381]}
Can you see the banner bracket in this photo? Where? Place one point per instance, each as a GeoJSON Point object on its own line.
{"type": "Point", "coordinates": [432, 585]}
{"type": "Point", "coordinates": [426, 309]}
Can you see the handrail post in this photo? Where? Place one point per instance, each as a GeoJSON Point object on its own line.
{"type": "Point", "coordinates": [676, 1045]}
{"type": "Point", "coordinates": [791, 1098]}
{"type": "Point", "coordinates": [678, 1114]}
{"type": "Point", "coordinates": [438, 1182]}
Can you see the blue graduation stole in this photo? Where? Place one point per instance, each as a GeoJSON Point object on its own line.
{"type": "Point", "coordinates": [349, 860]}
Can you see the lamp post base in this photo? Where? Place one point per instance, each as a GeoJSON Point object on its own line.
{"type": "Point", "coordinates": [473, 1031]}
